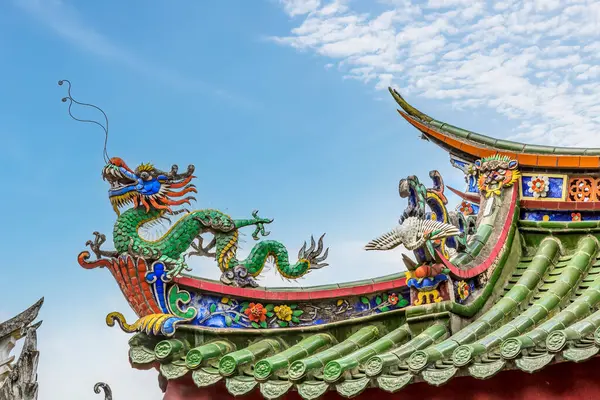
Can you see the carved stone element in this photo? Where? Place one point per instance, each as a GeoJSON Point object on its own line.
{"type": "Point", "coordinates": [18, 380]}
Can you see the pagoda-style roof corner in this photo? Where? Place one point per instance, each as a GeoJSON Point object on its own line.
{"type": "Point", "coordinates": [472, 145]}
{"type": "Point", "coordinates": [18, 380]}
{"type": "Point", "coordinates": [22, 320]}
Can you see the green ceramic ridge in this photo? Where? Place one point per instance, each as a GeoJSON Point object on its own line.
{"type": "Point", "coordinates": [167, 350]}
{"type": "Point", "coordinates": [510, 246]}
{"type": "Point", "coordinates": [580, 308]}
{"type": "Point", "coordinates": [208, 351]}
{"type": "Point", "coordinates": [353, 359]}
{"type": "Point", "coordinates": [306, 347]}
{"type": "Point", "coordinates": [230, 362]}
{"type": "Point", "coordinates": [376, 365]}
{"type": "Point", "coordinates": [551, 299]}
{"type": "Point", "coordinates": [363, 336]}
{"type": "Point", "coordinates": [545, 255]}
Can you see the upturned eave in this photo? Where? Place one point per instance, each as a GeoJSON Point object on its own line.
{"type": "Point", "coordinates": [474, 146]}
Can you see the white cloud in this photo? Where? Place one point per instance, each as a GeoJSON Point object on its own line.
{"type": "Point", "coordinates": [531, 61]}
{"type": "Point", "coordinates": [299, 7]}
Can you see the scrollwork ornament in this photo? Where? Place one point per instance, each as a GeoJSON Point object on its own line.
{"type": "Point", "coordinates": [179, 298]}
{"type": "Point", "coordinates": [173, 370]}
{"type": "Point", "coordinates": [533, 364]}
{"type": "Point", "coordinates": [374, 366]}
{"type": "Point", "coordinates": [297, 370]}
{"type": "Point", "coordinates": [332, 371]}
{"type": "Point", "coordinates": [392, 383]}
{"type": "Point", "coordinates": [239, 386]}
{"type": "Point", "coordinates": [274, 389]}
{"type": "Point", "coordinates": [482, 370]}
{"type": "Point", "coordinates": [350, 388]}
{"type": "Point", "coordinates": [312, 390]}
{"type": "Point", "coordinates": [141, 355]}
{"type": "Point", "coordinates": [418, 360]}
{"type": "Point", "coordinates": [227, 365]}
{"type": "Point", "coordinates": [438, 377]}
{"type": "Point", "coordinates": [203, 378]}
{"type": "Point", "coordinates": [262, 370]}
{"type": "Point", "coordinates": [101, 386]}
{"type": "Point", "coordinates": [556, 341]}
{"type": "Point", "coordinates": [578, 354]}
{"type": "Point", "coordinates": [462, 356]}
{"type": "Point", "coordinates": [510, 349]}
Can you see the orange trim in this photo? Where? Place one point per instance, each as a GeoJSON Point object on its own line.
{"type": "Point", "coordinates": [568, 161]}
{"type": "Point", "coordinates": [589, 162]}
{"type": "Point", "coordinates": [525, 159]}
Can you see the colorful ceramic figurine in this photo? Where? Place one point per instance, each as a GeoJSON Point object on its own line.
{"type": "Point", "coordinates": [153, 194]}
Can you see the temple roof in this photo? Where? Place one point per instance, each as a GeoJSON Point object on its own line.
{"type": "Point", "coordinates": [542, 315]}
{"type": "Point", "coordinates": [509, 280]}
{"type": "Point", "coordinates": [474, 145]}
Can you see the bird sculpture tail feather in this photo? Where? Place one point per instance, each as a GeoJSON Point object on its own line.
{"type": "Point", "coordinates": [387, 241]}
{"type": "Point", "coordinates": [413, 229]}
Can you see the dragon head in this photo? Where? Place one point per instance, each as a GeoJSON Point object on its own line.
{"type": "Point", "coordinates": [147, 186]}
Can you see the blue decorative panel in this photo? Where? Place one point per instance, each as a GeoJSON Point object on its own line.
{"type": "Point", "coordinates": [562, 216]}
{"type": "Point", "coordinates": [556, 187]}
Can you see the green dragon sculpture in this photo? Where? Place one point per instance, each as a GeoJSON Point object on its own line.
{"type": "Point", "coordinates": [151, 196]}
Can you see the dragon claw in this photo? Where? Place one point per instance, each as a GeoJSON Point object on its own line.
{"type": "Point", "coordinates": [96, 244]}
{"type": "Point", "coordinates": [260, 225]}
{"type": "Point", "coordinates": [203, 251]}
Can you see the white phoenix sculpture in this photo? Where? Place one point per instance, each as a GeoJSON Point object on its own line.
{"type": "Point", "coordinates": [414, 233]}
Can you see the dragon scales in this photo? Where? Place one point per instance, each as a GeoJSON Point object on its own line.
{"type": "Point", "coordinates": [152, 196]}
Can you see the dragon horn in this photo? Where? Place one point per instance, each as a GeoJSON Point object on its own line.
{"type": "Point", "coordinates": [387, 241]}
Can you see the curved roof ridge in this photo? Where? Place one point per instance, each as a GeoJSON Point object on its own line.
{"type": "Point", "coordinates": [500, 144]}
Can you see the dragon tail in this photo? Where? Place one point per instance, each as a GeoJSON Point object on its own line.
{"type": "Point", "coordinates": [309, 258]}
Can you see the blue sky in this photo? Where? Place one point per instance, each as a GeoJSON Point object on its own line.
{"type": "Point", "coordinates": [279, 104]}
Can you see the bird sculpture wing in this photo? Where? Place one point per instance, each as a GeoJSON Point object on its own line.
{"type": "Point", "coordinates": [387, 241]}
{"type": "Point", "coordinates": [423, 228]}
{"type": "Point", "coordinates": [437, 229]}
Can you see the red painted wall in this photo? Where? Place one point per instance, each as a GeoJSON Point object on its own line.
{"type": "Point", "coordinates": [565, 381]}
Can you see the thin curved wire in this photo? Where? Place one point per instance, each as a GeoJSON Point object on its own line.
{"type": "Point", "coordinates": [72, 100]}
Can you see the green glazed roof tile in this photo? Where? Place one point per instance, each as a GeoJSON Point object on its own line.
{"type": "Point", "coordinates": [547, 304]}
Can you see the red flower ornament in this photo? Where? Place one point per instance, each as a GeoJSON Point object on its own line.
{"type": "Point", "coordinates": [466, 208]}
{"type": "Point", "coordinates": [256, 312]}
{"type": "Point", "coordinates": [393, 299]}
{"type": "Point", "coordinates": [576, 217]}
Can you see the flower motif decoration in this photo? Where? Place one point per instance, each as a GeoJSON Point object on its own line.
{"type": "Point", "coordinates": [256, 312]}
{"type": "Point", "coordinates": [393, 299]}
{"type": "Point", "coordinates": [583, 189]}
{"type": "Point", "coordinates": [283, 312]}
{"type": "Point", "coordinates": [539, 186]}
{"type": "Point", "coordinates": [576, 217]}
{"type": "Point", "coordinates": [465, 208]}
{"type": "Point", "coordinates": [463, 290]}
{"type": "Point", "coordinates": [545, 218]}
